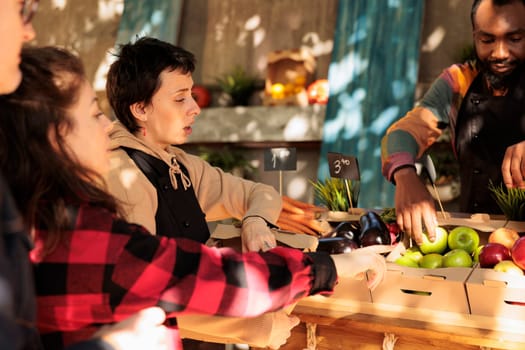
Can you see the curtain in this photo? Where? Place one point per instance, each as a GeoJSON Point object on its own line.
{"type": "Point", "coordinates": [372, 80]}
{"type": "Point", "coordinates": [156, 18]}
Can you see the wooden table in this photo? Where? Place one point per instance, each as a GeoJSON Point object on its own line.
{"type": "Point", "coordinates": [325, 326]}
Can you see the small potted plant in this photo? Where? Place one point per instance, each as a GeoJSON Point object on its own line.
{"type": "Point", "coordinates": [511, 201]}
{"type": "Point", "coordinates": [332, 194]}
{"type": "Point", "coordinates": [238, 87]}
{"type": "Point", "coordinates": [229, 160]}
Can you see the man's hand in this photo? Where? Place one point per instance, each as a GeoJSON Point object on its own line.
{"type": "Point", "coordinates": [414, 205]}
{"type": "Point", "coordinates": [513, 166]}
{"type": "Point", "coordinates": [256, 235]}
{"type": "Point", "coordinates": [144, 330]}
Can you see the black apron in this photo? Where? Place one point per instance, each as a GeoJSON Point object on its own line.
{"type": "Point", "coordinates": [178, 212]}
{"type": "Point", "coordinates": [486, 126]}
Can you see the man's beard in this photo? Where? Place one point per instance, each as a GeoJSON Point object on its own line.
{"type": "Point", "coordinates": [499, 81]}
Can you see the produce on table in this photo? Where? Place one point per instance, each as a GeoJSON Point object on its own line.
{"type": "Point", "coordinates": [373, 230]}
{"type": "Point", "coordinates": [475, 255]}
{"type": "Point", "coordinates": [508, 266]}
{"type": "Point", "coordinates": [388, 215]}
{"type": "Point", "coordinates": [439, 245]}
{"type": "Point", "coordinates": [336, 245]}
{"type": "Point", "coordinates": [505, 236]}
{"type": "Point", "coordinates": [431, 261]}
{"type": "Point", "coordinates": [347, 229]}
{"type": "Point", "coordinates": [301, 217]}
{"type": "Point", "coordinates": [414, 253]}
{"type": "Point", "coordinates": [369, 230]}
{"type": "Point", "coordinates": [406, 261]}
{"type": "Point", "coordinates": [459, 248]}
{"type": "Point", "coordinates": [493, 253]}
{"type": "Point", "coordinates": [517, 252]}
{"type": "Point", "coordinates": [463, 237]}
{"type": "Point", "coordinates": [457, 258]}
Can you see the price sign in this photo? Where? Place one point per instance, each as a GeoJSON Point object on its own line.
{"type": "Point", "coordinates": [280, 159]}
{"type": "Point", "coordinates": [344, 167]}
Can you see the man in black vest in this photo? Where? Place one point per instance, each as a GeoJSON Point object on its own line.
{"type": "Point", "coordinates": [482, 102]}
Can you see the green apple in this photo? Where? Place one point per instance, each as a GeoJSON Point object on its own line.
{"type": "Point", "coordinates": [508, 266]}
{"type": "Point", "coordinates": [406, 261]}
{"type": "Point", "coordinates": [431, 261]}
{"type": "Point", "coordinates": [463, 237]}
{"type": "Point", "coordinates": [457, 258]}
{"type": "Point", "coordinates": [413, 253]}
{"type": "Point", "coordinates": [439, 245]}
{"type": "Point", "coordinates": [475, 255]}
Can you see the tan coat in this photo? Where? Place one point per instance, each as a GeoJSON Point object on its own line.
{"type": "Point", "coordinates": [221, 196]}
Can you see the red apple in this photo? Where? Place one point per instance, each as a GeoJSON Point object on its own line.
{"type": "Point", "coordinates": [201, 95]}
{"type": "Point", "coordinates": [505, 236]}
{"type": "Point", "coordinates": [493, 253]}
{"type": "Point", "coordinates": [517, 252]}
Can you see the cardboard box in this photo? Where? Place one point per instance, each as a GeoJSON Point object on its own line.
{"type": "Point", "coordinates": [230, 237]}
{"type": "Point", "coordinates": [347, 288]}
{"type": "Point", "coordinates": [496, 294]}
{"type": "Point", "coordinates": [434, 289]}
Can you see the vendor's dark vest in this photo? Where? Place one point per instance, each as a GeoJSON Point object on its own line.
{"type": "Point", "coordinates": [178, 211]}
{"type": "Point", "coordinates": [486, 126]}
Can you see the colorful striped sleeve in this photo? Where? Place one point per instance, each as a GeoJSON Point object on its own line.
{"type": "Point", "coordinates": [409, 137]}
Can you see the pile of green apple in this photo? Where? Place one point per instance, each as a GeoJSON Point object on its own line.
{"type": "Point", "coordinates": [457, 248]}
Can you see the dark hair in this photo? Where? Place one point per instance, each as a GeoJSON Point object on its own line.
{"type": "Point", "coordinates": [476, 3]}
{"type": "Point", "coordinates": [42, 175]}
{"type": "Point", "coordinates": [135, 75]}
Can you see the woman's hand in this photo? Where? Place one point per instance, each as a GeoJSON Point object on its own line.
{"type": "Point", "coordinates": [360, 261]}
{"type": "Point", "coordinates": [144, 330]}
{"type": "Point", "coordinates": [256, 235]}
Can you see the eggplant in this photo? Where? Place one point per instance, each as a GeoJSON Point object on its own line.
{"type": "Point", "coordinates": [373, 230]}
{"type": "Point", "coordinates": [336, 245]}
{"type": "Point", "coordinates": [347, 229]}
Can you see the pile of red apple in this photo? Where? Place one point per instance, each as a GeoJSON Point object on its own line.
{"type": "Point", "coordinates": [504, 252]}
{"type": "Point", "coordinates": [457, 248]}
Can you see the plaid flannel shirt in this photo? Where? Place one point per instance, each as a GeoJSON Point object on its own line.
{"type": "Point", "coordinates": [107, 269]}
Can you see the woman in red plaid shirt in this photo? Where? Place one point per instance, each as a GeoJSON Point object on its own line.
{"type": "Point", "coordinates": [93, 268]}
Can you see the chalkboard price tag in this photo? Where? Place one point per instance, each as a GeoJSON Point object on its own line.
{"type": "Point", "coordinates": [280, 159]}
{"type": "Point", "coordinates": [344, 167]}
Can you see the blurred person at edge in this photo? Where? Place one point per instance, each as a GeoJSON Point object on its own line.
{"type": "Point", "coordinates": [481, 102]}
{"type": "Point", "coordinates": [92, 267]}
{"type": "Point", "coordinates": [17, 298]}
